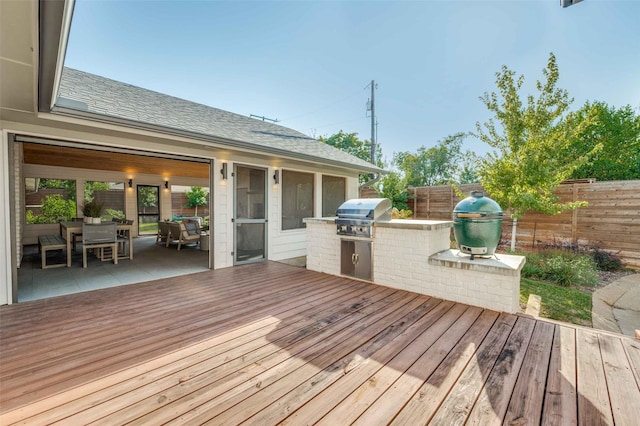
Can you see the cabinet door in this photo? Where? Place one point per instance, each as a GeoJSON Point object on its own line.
{"type": "Point", "coordinates": [347, 257]}
{"type": "Point", "coordinates": [363, 265]}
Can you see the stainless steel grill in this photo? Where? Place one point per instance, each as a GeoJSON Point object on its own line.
{"type": "Point", "coordinates": [357, 216]}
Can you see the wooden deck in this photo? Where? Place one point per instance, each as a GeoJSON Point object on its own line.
{"type": "Point", "coordinates": [270, 343]}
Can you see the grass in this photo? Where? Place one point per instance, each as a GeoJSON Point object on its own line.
{"type": "Point", "coordinates": [148, 228]}
{"type": "Point", "coordinates": [559, 303]}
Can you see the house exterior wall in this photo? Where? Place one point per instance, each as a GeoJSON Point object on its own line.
{"type": "Point", "coordinates": [280, 244]}
{"type": "Point", "coordinates": [5, 224]}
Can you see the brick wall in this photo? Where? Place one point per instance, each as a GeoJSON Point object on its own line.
{"type": "Point", "coordinates": [419, 260]}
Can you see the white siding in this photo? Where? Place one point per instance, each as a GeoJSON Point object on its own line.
{"type": "Point", "coordinates": [5, 224]}
{"type": "Point", "coordinates": [280, 244]}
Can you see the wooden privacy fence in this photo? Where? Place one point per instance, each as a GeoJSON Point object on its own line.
{"type": "Point", "coordinates": [611, 221]}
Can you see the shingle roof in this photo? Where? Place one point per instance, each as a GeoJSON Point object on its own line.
{"type": "Point", "coordinates": [96, 96]}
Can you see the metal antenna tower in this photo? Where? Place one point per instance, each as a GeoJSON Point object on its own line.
{"type": "Point", "coordinates": [371, 107]}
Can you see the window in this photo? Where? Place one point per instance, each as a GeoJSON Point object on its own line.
{"type": "Point", "coordinates": [297, 199]}
{"type": "Point", "coordinates": [109, 195]}
{"type": "Point", "coordinates": [333, 194]}
{"type": "Point", "coordinates": [49, 200]}
{"type": "Point", "coordinates": [189, 201]}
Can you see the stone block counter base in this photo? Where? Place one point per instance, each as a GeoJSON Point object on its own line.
{"type": "Point", "coordinates": [414, 255]}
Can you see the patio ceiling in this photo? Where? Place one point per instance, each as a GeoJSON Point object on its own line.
{"type": "Point", "coordinates": [51, 155]}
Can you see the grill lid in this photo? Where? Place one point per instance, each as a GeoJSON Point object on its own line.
{"type": "Point", "coordinates": [370, 209]}
{"type": "Point", "coordinates": [477, 206]}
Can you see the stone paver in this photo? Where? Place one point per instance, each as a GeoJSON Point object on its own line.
{"type": "Point", "coordinates": [616, 307]}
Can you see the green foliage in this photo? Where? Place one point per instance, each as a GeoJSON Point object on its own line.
{"type": "Point", "coordinates": [196, 197]}
{"type": "Point", "coordinates": [437, 165]}
{"type": "Point", "coordinates": [618, 131]}
{"type": "Point", "coordinates": [468, 171]}
{"type": "Point", "coordinates": [393, 187]}
{"type": "Point", "coordinates": [529, 142]}
{"type": "Point", "coordinates": [115, 214]}
{"type": "Point", "coordinates": [54, 209]}
{"type": "Point", "coordinates": [92, 209]}
{"type": "Point", "coordinates": [68, 185]}
{"type": "Point", "coordinates": [37, 219]}
{"type": "Point", "coordinates": [147, 196]}
{"type": "Point", "coordinates": [559, 303]}
{"type": "Point", "coordinates": [350, 143]}
{"type": "Point", "coordinates": [561, 267]}
{"type": "Point", "coordinates": [91, 187]}
{"type": "Point", "coordinates": [400, 214]}
{"type": "Point", "coordinates": [606, 261]}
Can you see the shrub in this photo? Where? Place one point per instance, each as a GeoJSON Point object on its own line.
{"type": "Point", "coordinates": [400, 214]}
{"type": "Point", "coordinates": [563, 268]}
{"type": "Point", "coordinates": [606, 261]}
{"type": "Point", "coordinates": [114, 214]}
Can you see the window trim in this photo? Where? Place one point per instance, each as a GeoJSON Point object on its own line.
{"type": "Point", "coordinates": [282, 198]}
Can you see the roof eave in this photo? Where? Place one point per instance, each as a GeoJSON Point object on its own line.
{"type": "Point", "coordinates": [206, 139]}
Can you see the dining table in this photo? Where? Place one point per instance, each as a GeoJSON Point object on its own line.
{"type": "Point", "coordinates": [68, 229]}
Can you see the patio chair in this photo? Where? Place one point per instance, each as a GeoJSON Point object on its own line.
{"type": "Point", "coordinates": [182, 234]}
{"type": "Point", "coordinates": [163, 232]}
{"type": "Point", "coordinates": [99, 236]}
{"type": "Point", "coordinates": [193, 224]}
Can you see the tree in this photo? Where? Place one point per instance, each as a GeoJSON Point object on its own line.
{"type": "Point", "coordinates": [469, 169]}
{"type": "Point", "coordinates": [68, 185]}
{"type": "Point", "coordinates": [350, 143]}
{"type": "Point", "coordinates": [437, 165]}
{"type": "Point", "coordinates": [91, 187]}
{"type": "Point", "coordinates": [393, 187]}
{"type": "Point", "coordinates": [147, 197]}
{"type": "Point", "coordinates": [196, 197]}
{"type": "Point", "coordinates": [527, 163]}
{"type": "Point", "coordinates": [618, 130]}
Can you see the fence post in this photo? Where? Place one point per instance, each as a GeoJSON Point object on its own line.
{"type": "Point", "coordinates": [574, 214]}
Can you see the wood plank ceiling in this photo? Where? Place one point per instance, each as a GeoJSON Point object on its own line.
{"type": "Point", "coordinates": [50, 155]}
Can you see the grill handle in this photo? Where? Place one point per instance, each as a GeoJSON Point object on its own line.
{"type": "Point", "coordinates": [469, 215]}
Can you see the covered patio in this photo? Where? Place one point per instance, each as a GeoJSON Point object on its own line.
{"type": "Point", "coordinates": [151, 261]}
{"type": "Point", "coordinates": [270, 343]}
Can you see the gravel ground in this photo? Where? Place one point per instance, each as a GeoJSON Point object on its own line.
{"type": "Point", "coordinates": [607, 277]}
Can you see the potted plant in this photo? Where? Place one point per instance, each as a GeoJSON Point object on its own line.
{"type": "Point", "coordinates": [92, 211]}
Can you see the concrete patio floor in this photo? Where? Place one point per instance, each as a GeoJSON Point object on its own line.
{"type": "Point", "coordinates": [151, 261]}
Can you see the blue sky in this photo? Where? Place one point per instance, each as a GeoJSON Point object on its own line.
{"type": "Point", "coordinates": [307, 63]}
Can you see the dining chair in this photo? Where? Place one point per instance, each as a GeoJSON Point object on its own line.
{"type": "Point", "coordinates": [99, 236]}
{"type": "Point", "coordinates": [123, 239]}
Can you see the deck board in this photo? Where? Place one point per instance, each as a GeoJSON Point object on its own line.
{"type": "Point", "coordinates": [561, 401]}
{"type": "Point", "coordinates": [525, 407]}
{"type": "Point", "coordinates": [275, 344]}
{"type": "Point", "coordinates": [594, 406]}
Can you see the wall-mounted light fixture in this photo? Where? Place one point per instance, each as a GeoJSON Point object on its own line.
{"type": "Point", "coordinates": [130, 183]}
{"type": "Point", "coordinates": [166, 184]}
{"type": "Point", "coordinates": [276, 177]}
{"type": "Point", "coordinates": [223, 171]}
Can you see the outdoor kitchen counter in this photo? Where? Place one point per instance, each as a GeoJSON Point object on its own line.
{"type": "Point", "coordinates": [428, 225]}
{"type": "Point", "coordinates": [416, 255]}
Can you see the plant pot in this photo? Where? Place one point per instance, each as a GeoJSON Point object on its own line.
{"type": "Point", "coordinates": [96, 220]}
{"type": "Point", "coordinates": [87, 219]}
